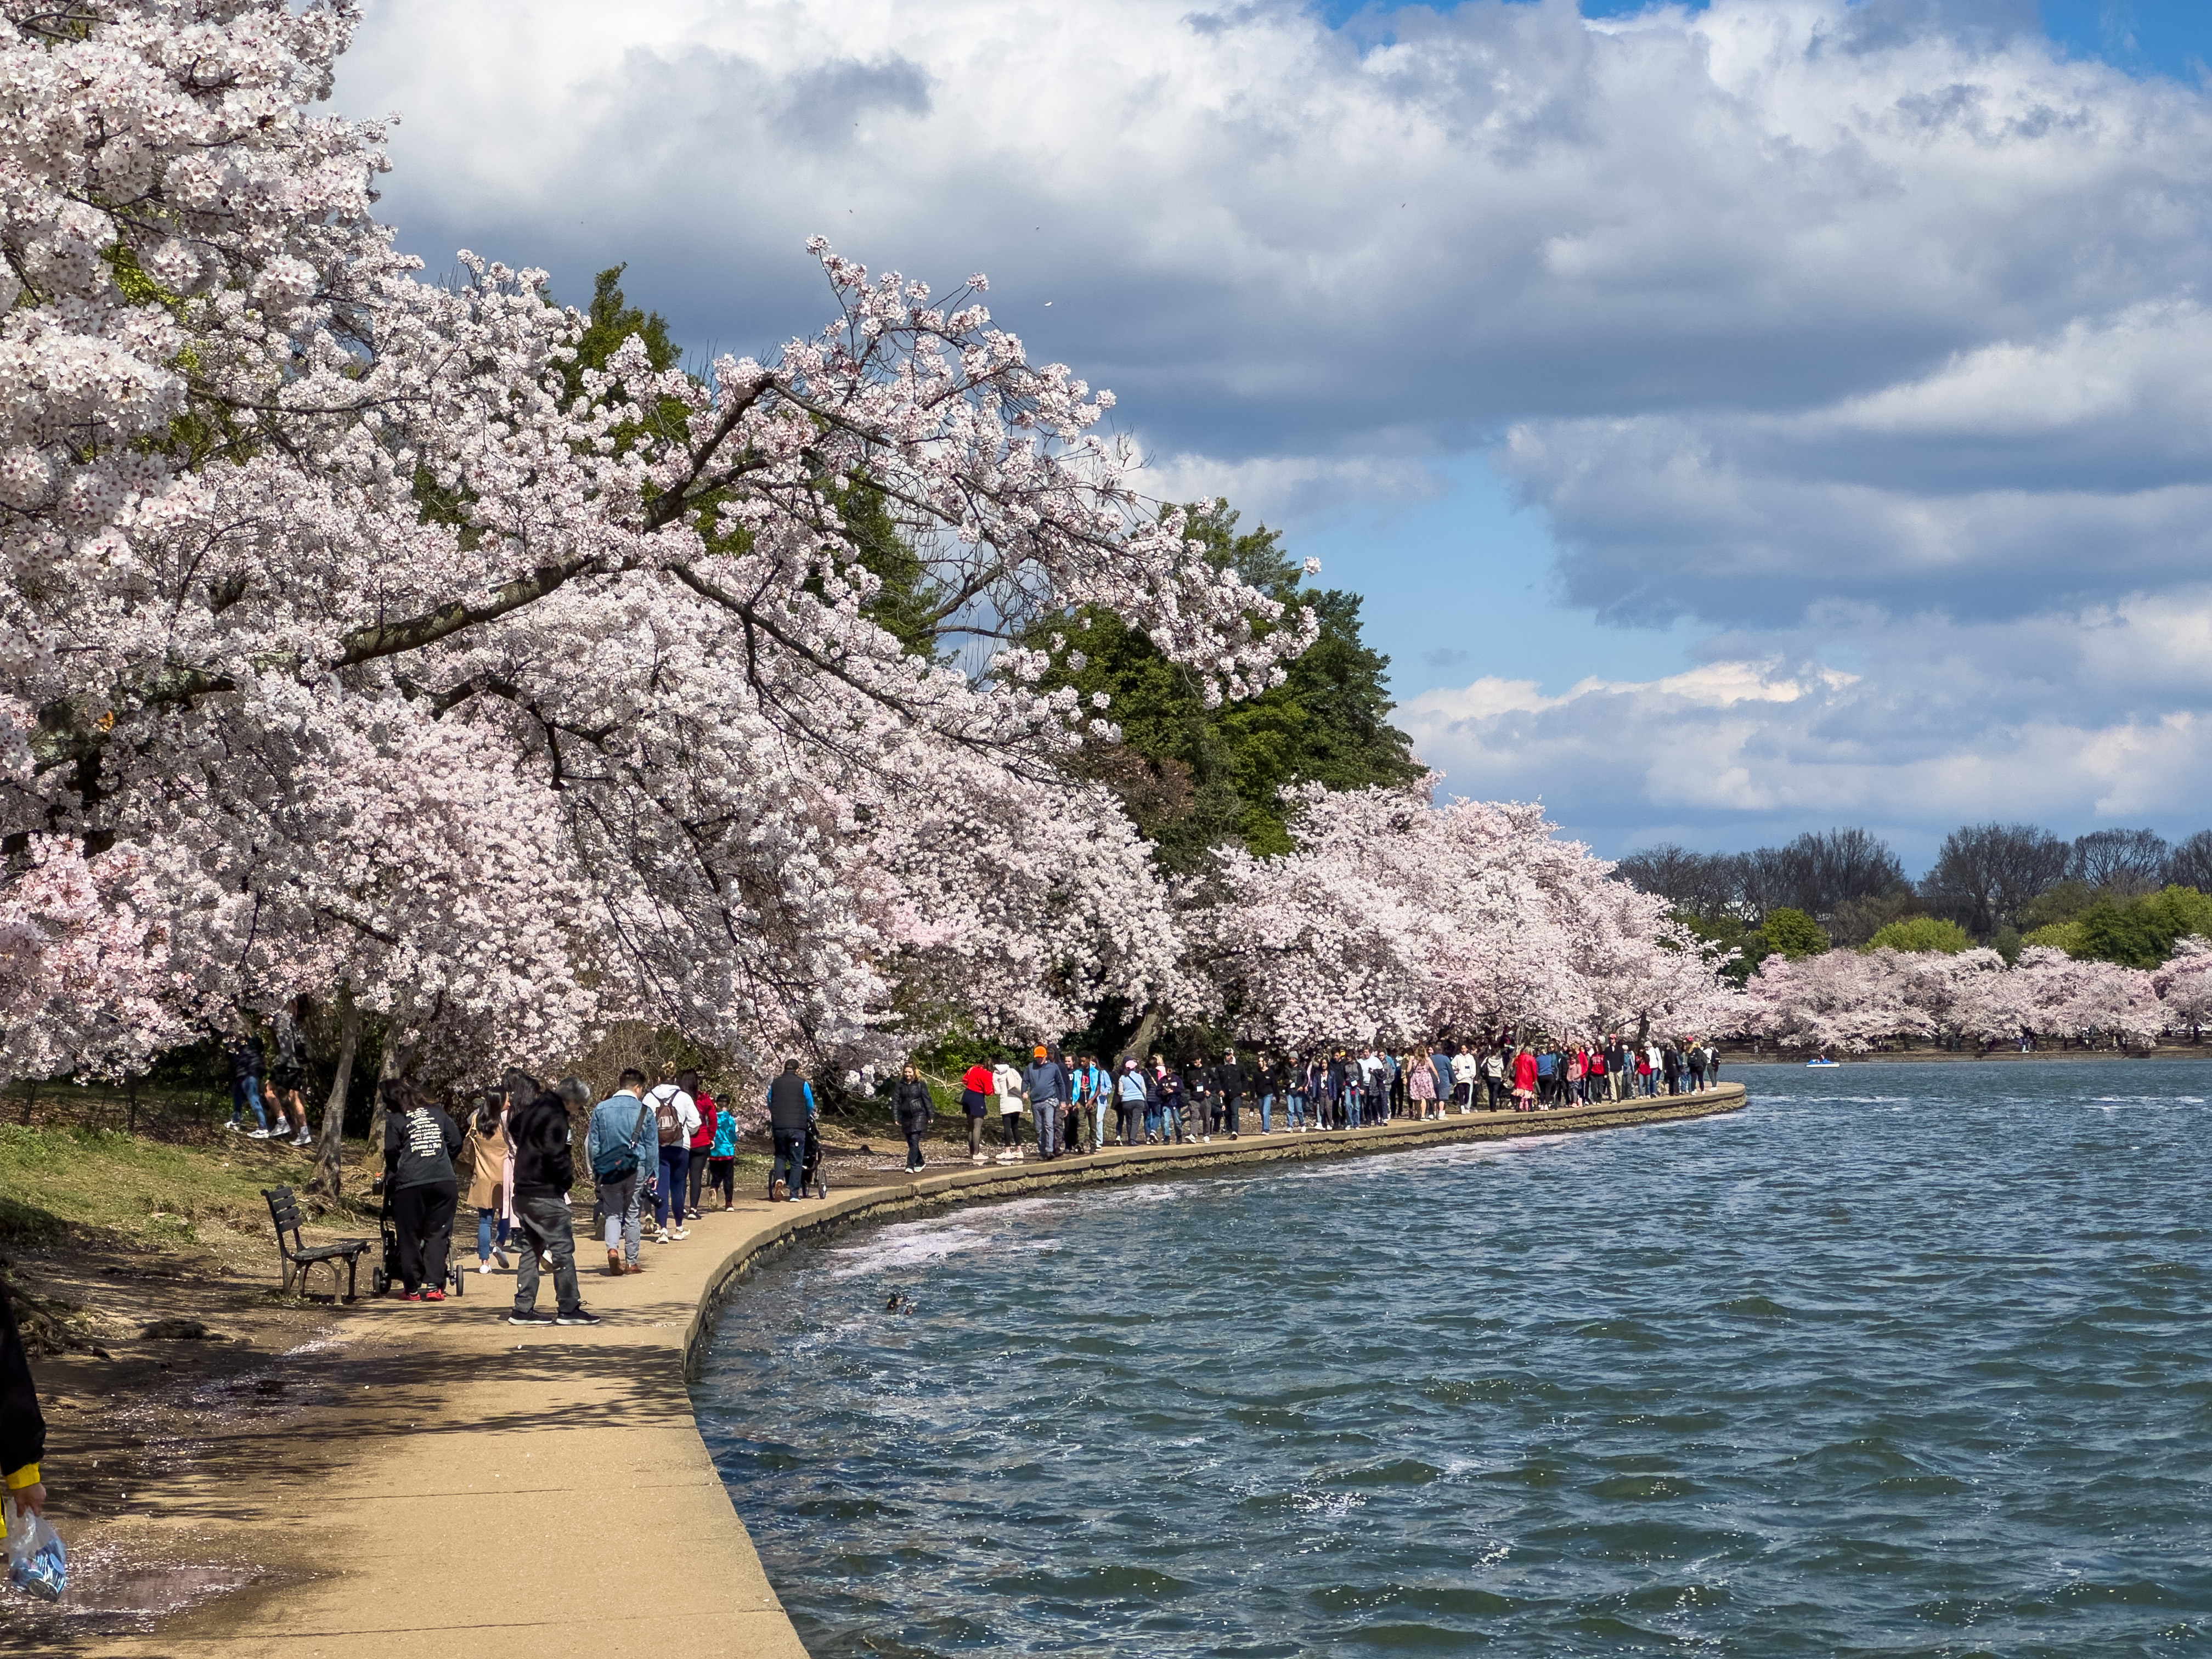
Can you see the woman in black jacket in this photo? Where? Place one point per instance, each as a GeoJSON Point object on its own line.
{"type": "Point", "coordinates": [419, 1144]}
{"type": "Point", "coordinates": [912, 1106]}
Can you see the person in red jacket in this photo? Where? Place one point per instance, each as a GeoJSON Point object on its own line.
{"type": "Point", "coordinates": [1524, 1080]}
{"type": "Point", "coordinates": [977, 1085]}
{"type": "Point", "coordinates": [703, 1143]}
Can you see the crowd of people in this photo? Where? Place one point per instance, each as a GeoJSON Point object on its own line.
{"type": "Point", "coordinates": [1070, 1101]}
{"type": "Point", "coordinates": [654, 1150]}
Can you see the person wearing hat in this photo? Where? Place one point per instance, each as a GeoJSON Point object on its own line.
{"type": "Point", "coordinates": [1046, 1083]}
{"type": "Point", "coordinates": [1129, 1102]}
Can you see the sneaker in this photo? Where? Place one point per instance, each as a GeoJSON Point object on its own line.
{"type": "Point", "coordinates": [681, 1232]}
{"type": "Point", "coordinates": [257, 1134]}
{"type": "Point", "coordinates": [233, 1126]}
{"type": "Point", "coordinates": [303, 1139]}
{"type": "Point", "coordinates": [660, 1235]}
{"type": "Point", "coordinates": [412, 1296]}
{"type": "Point", "coordinates": [484, 1267]}
{"type": "Point", "coordinates": [531, 1317]}
{"type": "Point", "coordinates": [433, 1294]}
{"type": "Point", "coordinates": [979, 1159]}
{"type": "Point", "coordinates": [580, 1316]}
{"type": "Point", "coordinates": [696, 1215]}
{"type": "Point", "coordinates": [505, 1266]}
{"type": "Point", "coordinates": [1206, 1141]}
{"type": "Point", "coordinates": [545, 1262]}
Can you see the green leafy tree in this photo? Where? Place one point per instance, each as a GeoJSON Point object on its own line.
{"type": "Point", "coordinates": [1922, 933]}
{"type": "Point", "coordinates": [1192, 777]}
{"type": "Point", "coordinates": [1791, 932]}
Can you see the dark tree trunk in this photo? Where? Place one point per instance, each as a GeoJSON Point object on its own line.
{"type": "Point", "coordinates": [329, 1144]}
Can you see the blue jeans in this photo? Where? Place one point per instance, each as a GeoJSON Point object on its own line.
{"type": "Point", "coordinates": [790, 1161]}
{"type": "Point", "coordinates": [1267, 1115]}
{"type": "Point", "coordinates": [487, 1221]}
{"type": "Point", "coordinates": [1046, 1113]}
{"type": "Point", "coordinates": [246, 1091]}
{"type": "Point", "coordinates": [622, 1203]}
{"type": "Point", "coordinates": [1151, 1119]}
{"type": "Point", "coordinates": [1294, 1109]}
{"type": "Point", "coordinates": [674, 1165]}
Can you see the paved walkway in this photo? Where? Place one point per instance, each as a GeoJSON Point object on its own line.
{"type": "Point", "coordinates": [471, 1488]}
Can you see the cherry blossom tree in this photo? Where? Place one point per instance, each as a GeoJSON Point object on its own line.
{"type": "Point", "coordinates": [1393, 917]}
{"type": "Point", "coordinates": [359, 637]}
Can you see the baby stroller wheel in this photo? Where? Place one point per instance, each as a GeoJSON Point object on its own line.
{"type": "Point", "coordinates": [379, 1281]}
{"type": "Point", "coordinates": [460, 1279]}
{"type": "Point", "coordinates": [820, 1186]}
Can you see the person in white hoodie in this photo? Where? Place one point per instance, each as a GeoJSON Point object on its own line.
{"type": "Point", "coordinates": [1010, 1111]}
{"type": "Point", "coordinates": [676, 1116]}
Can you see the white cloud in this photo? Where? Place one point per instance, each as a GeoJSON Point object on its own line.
{"type": "Point", "coordinates": [1868, 334]}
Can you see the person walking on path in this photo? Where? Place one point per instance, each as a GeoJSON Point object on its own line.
{"type": "Point", "coordinates": [1524, 1080]}
{"type": "Point", "coordinates": [1129, 1113]}
{"type": "Point", "coordinates": [1045, 1082]}
{"type": "Point", "coordinates": [419, 1144]}
{"type": "Point", "coordinates": [287, 1074]}
{"type": "Point", "coordinates": [702, 1148]}
{"type": "Point", "coordinates": [544, 1170]}
{"type": "Point", "coordinates": [1006, 1083]}
{"type": "Point", "coordinates": [977, 1085]}
{"type": "Point", "coordinates": [722, 1158]}
{"type": "Point", "coordinates": [1175, 1128]}
{"type": "Point", "coordinates": [1231, 1083]}
{"type": "Point", "coordinates": [912, 1106]}
{"type": "Point", "coordinates": [248, 1061]}
{"type": "Point", "coordinates": [1421, 1086]}
{"type": "Point", "coordinates": [618, 1143]}
{"type": "Point", "coordinates": [675, 1119]}
{"type": "Point", "coordinates": [489, 1161]}
{"type": "Point", "coordinates": [791, 1120]}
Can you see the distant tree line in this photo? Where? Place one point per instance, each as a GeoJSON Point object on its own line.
{"type": "Point", "coordinates": [2123, 896]}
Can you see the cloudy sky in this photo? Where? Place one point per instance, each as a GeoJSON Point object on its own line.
{"type": "Point", "coordinates": [1741, 418]}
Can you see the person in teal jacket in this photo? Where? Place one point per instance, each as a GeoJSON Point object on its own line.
{"type": "Point", "coordinates": [722, 1158]}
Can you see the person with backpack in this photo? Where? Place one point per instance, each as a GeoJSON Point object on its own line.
{"type": "Point", "coordinates": [977, 1085]}
{"type": "Point", "coordinates": [419, 1144]}
{"type": "Point", "coordinates": [537, 1137]}
{"type": "Point", "coordinates": [702, 1146]}
{"type": "Point", "coordinates": [913, 1108]}
{"type": "Point", "coordinates": [791, 1120]}
{"type": "Point", "coordinates": [489, 1157]}
{"type": "Point", "coordinates": [675, 1121]}
{"type": "Point", "coordinates": [619, 1142]}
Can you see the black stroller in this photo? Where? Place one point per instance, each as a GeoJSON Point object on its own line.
{"type": "Point", "coordinates": [812, 1177]}
{"type": "Point", "coordinates": [382, 1280]}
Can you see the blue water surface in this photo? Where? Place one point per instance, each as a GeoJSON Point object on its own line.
{"type": "Point", "coordinates": [1904, 1359]}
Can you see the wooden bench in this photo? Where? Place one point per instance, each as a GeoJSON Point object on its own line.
{"type": "Point", "coordinates": [298, 1258]}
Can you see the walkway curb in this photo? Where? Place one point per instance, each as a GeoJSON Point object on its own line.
{"type": "Point", "coordinates": [468, 1485]}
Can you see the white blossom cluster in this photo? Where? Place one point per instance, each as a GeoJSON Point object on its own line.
{"type": "Point", "coordinates": [347, 644]}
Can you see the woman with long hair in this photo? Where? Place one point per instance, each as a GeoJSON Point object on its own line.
{"type": "Point", "coordinates": [491, 1181]}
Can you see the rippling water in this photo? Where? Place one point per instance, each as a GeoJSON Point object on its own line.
{"type": "Point", "coordinates": [1904, 1359]}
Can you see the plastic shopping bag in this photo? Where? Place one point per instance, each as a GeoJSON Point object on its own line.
{"type": "Point", "coordinates": [36, 1561]}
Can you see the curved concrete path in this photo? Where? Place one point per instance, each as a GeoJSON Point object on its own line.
{"type": "Point", "coordinates": [471, 1487]}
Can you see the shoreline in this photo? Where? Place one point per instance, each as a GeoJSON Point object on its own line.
{"type": "Point", "coordinates": [1730, 1059]}
{"type": "Point", "coordinates": [469, 1484]}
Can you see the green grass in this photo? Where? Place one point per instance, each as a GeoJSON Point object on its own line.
{"type": "Point", "coordinates": [54, 1181]}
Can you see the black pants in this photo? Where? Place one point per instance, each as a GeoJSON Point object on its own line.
{"type": "Point", "coordinates": [1226, 1111]}
{"type": "Point", "coordinates": [1125, 1113]}
{"type": "Point", "coordinates": [722, 1173]}
{"type": "Point", "coordinates": [424, 1219]}
{"type": "Point", "coordinates": [545, 1226]}
{"type": "Point", "coordinates": [697, 1177]}
{"type": "Point", "coordinates": [1010, 1129]}
{"type": "Point", "coordinates": [913, 1149]}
